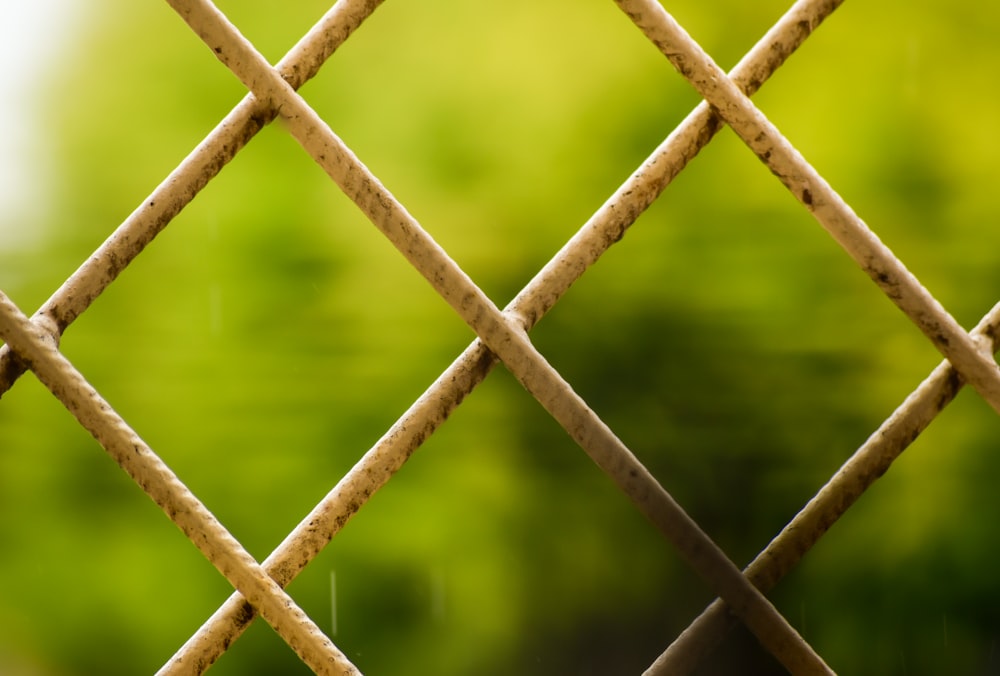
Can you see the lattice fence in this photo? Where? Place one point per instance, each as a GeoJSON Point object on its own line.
{"type": "Point", "coordinates": [34, 343]}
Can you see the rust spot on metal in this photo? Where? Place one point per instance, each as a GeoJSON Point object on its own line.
{"type": "Point", "coordinates": [948, 390]}
{"type": "Point", "coordinates": [244, 615]}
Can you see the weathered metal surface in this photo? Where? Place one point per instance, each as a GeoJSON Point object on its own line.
{"type": "Point", "coordinates": [507, 340]}
{"type": "Point", "coordinates": [501, 336]}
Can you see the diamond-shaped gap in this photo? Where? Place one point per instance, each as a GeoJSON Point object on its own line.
{"type": "Point", "coordinates": [272, 31]}
{"type": "Point", "coordinates": [700, 294]}
{"type": "Point", "coordinates": [500, 566]}
{"type": "Point", "coordinates": [488, 131]}
{"type": "Point", "coordinates": [308, 330]}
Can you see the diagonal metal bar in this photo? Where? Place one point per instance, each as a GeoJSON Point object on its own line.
{"type": "Point", "coordinates": [103, 266]}
{"type": "Point", "coordinates": [863, 468]}
{"type": "Point", "coordinates": [977, 367]}
{"type": "Point", "coordinates": [506, 339]}
{"type": "Point", "coordinates": [316, 530]}
{"type": "Point", "coordinates": [618, 213]}
{"type": "Point", "coordinates": [867, 465]}
{"type": "Point", "coordinates": [599, 233]}
{"type": "Point", "coordinates": [36, 347]}
{"type": "Point", "coordinates": [952, 381]}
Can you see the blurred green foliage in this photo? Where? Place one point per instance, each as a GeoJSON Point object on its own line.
{"type": "Point", "coordinates": [270, 335]}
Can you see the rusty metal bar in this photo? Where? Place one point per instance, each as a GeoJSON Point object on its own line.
{"type": "Point", "coordinates": [977, 367]}
{"type": "Point", "coordinates": [506, 339]}
{"type": "Point", "coordinates": [599, 233]}
{"type": "Point", "coordinates": [77, 293]}
{"type": "Point", "coordinates": [36, 345]}
{"type": "Point", "coordinates": [863, 468]}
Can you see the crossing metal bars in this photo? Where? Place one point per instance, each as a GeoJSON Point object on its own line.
{"type": "Point", "coordinates": [502, 337]}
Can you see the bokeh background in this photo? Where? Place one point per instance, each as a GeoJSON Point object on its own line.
{"type": "Point", "coordinates": [270, 336]}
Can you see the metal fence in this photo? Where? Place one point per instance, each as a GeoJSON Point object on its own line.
{"type": "Point", "coordinates": [34, 343]}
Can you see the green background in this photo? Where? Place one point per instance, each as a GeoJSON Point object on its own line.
{"type": "Point", "coordinates": [270, 336]}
